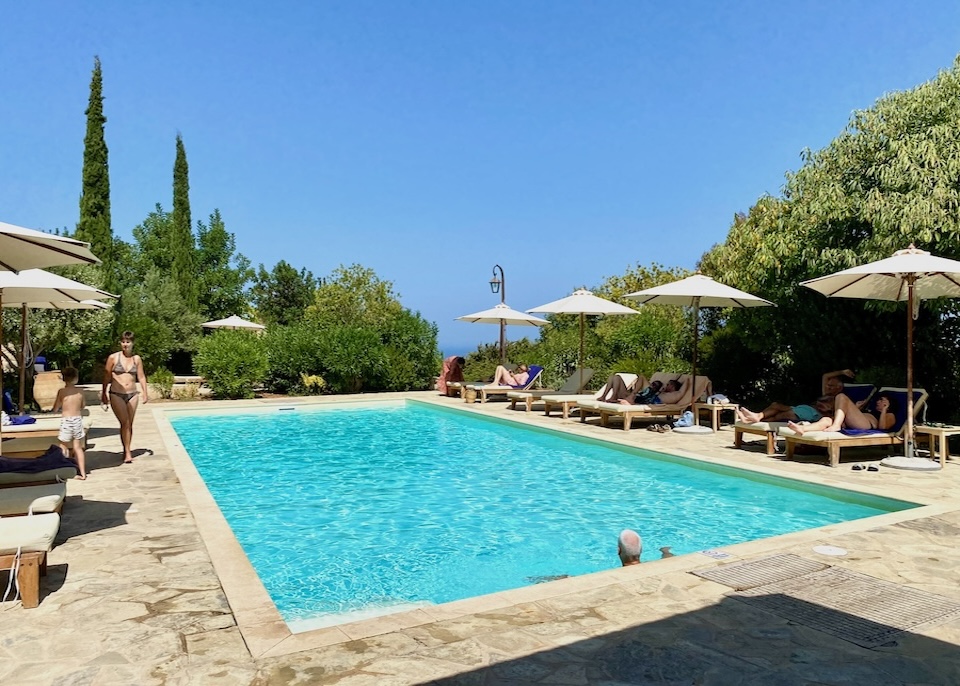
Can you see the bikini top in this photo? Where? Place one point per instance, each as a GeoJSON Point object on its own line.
{"type": "Point", "coordinates": [119, 369]}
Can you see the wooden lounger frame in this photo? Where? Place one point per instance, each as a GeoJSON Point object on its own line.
{"type": "Point", "coordinates": [32, 567]}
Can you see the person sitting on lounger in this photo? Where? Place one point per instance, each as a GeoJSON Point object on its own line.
{"type": "Point", "coordinates": [847, 415]}
{"type": "Point", "coordinates": [616, 390]}
{"type": "Point", "coordinates": [452, 372]}
{"type": "Point", "coordinates": [667, 395]}
{"type": "Point", "coordinates": [504, 377]}
{"type": "Point", "coordinates": [830, 385]}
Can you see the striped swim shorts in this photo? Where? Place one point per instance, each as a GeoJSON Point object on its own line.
{"type": "Point", "coordinates": [71, 428]}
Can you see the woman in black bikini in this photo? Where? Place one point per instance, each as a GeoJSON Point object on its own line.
{"type": "Point", "coordinates": [122, 373]}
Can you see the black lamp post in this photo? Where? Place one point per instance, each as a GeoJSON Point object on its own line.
{"type": "Point", "coordinates": [499, 285]}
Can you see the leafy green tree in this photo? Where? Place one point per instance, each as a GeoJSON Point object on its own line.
{"type": "Point", "coordinates": [222, 273]}
{"type": "Point", "coordinates": [182, 245]}
{"type": "Point", "coordinates": [232, 362]}
{"type": "Point", "coordinates": [354, 296]}
{"type": "Point", "coordinates": [890, 179]}
{"type": "Point", "coordinates": [152, 247]}
{"type": "Point", "coordinates": [283, 294]}
{"type": "Point", "coordinates": [410, 344]}
{"type": "Point", "coordinates": [163, 322]}
{"type": "Point", "coordinates": [94, 226]}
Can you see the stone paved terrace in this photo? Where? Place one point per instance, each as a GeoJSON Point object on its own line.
{"type": "Point", "coordinates": [147, 586]}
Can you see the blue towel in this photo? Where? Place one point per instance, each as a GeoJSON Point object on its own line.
{"type": "Point", "coordinates": [533, 371]}
{"type": "Point", "coordinates": [17, 420]}
{"type": "Point", "coordinates": [52, 459]}
{"type": "Point", "coordinates": [861, 432]}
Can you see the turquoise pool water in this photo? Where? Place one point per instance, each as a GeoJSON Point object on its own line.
{"type": "Point", "coordinates": [356, 509]}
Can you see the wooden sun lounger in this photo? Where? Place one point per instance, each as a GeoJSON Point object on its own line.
{"type": "Point", "coordinates": [21, 440]}
{"type": "Point", "coordinates": [834, 442]}
{"type": "Point", "coordinates": [33, 537]}
{"type": "Point", "coordinates": [768, 429]}
{"type": "Point", "coordinates": [567, 402]}
{"type": "Point", "coordinates": [574, 385]}
{"type": "Point", "coordinates": [629, 412]}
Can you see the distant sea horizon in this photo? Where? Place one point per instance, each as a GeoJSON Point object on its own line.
{"type": "Point", "coordinates": [458, 350]}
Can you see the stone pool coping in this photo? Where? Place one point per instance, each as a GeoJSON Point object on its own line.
{"type": "Point", "coordinates": [266, 634]}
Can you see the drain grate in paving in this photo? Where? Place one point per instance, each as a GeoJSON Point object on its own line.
{"type": "Point", "coordinates": [768, 570]}
{"type": "Point", "coordinates": [855, 607]}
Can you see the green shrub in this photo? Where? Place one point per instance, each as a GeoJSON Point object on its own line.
{"type": "Point", "coordinates": [232, 362]}
{"type": "Point", "coordinates": [292, 353]}
{"type": "Point", "coordinates": [353, 359]}
{"type": "Point", "coordinates": [163, 380]}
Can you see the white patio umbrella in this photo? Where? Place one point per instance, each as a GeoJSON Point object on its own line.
{"type": "Point", "coordinates": [44, 305]}
{"type": "Point", "coordinates": [697, 291]}
{"type": "Point", "coordinates": [503, 314]}
{"type": "Point", "coordinates": [582, 302]}
{"type": "Point", "coordinates": [22, 248]}
{"type": "Point", "coordinates": [28, 249]}
{"type": "Point", "coordinates": [911, 275]}
{"type": "Point", "coordinates": [39, 288]}
{"type": "Point", "coordinates": [233, 322]}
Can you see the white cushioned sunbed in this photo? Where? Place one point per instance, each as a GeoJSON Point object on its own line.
{"type": "Point", "coordinates": [24, 543]}
{"type": "Point", "coordinates": [32, 499]}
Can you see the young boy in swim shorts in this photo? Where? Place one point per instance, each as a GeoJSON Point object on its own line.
{"type": "Point", "coordinates": [70, 403]}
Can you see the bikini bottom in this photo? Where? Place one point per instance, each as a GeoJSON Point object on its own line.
{"type": "Point", "coordinates": [126, 396]}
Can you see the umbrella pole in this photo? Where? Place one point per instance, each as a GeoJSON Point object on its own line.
{"type": "Point", "coordinates": [583, 319]}
{"type": "Point", "coordinates": [911, 279]}
{"type": "Point", "coordinates": [503, 342]}
{"type": "Point", "coordinates": [696, 344]}
{"type": "Point", "coordinates": [23, 353]}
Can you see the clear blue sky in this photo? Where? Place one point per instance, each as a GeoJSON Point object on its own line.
{"type": "Point", "coordinates": [566, 141]}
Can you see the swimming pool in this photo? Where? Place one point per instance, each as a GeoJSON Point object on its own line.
{"type": "Point", "coordinates": [347, 509]}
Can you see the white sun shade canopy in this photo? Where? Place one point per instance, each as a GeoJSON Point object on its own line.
{"type": "Point", "coordinates": [28, 249]}
{"type": "Point", "coordinates": [233, 322]}
{"type": "Point", "coordinates": [34, 287]}
{"type": "Point", "coordinates": [505, 314]}
{"type": "Point", "coordinates": [697, 290]}
{"type": "Point", "coordinates": [583, 301]}
{"type": "Point", "coordinates": [886, 279]}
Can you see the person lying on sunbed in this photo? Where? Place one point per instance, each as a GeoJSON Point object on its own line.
{"type": "Point", "coordinates": [665, 395]}
{"type": "Point", "coordinates": [616, 390]}
{"type": "Point", "coordinates": [830, 385]}
{"type": "Point", "coordinates": [848, 416]}
{"type": "Point", "coordinates": [504, 377]}
{"type": "Point", "coordinates": [821, 408]}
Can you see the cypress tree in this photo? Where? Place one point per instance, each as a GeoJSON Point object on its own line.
{"type": "Point", "coordinates": [94, 226]}
{"type": "Point", "coordinates": [182, 244]}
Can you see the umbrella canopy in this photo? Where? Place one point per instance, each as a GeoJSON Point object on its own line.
{"type": "Point", "coordinates": [502, 314]}
{"type": "Point", "coordinates": [36, 288]}
{"type": "Point", "coordinates": [505, 314]}
{"type": "Point", "coordinates": [28, 249]}
{"type": "Point", "coordinates": [697, 291]}
{"type": "Point", "coordinates": [582, 302]}
{"type": "Point", "coordinates": [911, 275]}
{"type": "Point", "coordinates": [233, 322]}
{"type": "Point", "coordinates": [39, 286]}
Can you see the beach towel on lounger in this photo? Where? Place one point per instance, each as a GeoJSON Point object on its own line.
{"type": "Point", "coordinates": [52, 459]}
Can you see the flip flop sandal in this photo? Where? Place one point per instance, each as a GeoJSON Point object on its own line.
{"type": "Point", "coordinates": [857, 467]}
{"type": "Point", "coordinates": [653, 427]}
{"type": "Point", "coordinates": [873, 468]}
{"type": "Point", "coordinates": [664, 428]}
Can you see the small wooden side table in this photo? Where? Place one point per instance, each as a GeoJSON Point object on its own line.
{"type": "Point", "coordinates": [715, 410]}
{"type": "Point", "coordinates": [933, 434]}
